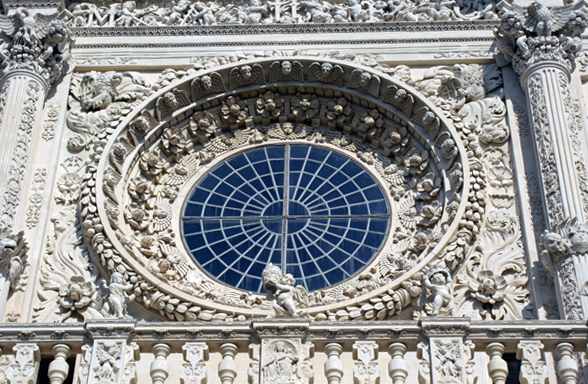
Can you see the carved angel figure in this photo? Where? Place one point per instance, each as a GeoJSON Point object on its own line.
{"type": "Point", "coordinates": [118, 295]}
{"type": "Point", "coordinates": [539, 19]}
{"type": "Point", "coordinates": [438, 281]}
{"type": "Point", "coordinates": [326, 73]}
{"type": "Point", "coordinates": [398, 97]}
{"type": "Point", "coordinates": [427, 119]}
{"type": "Point", "coordinates": [39, 42]}
{"type": "Point", "coordinates": [171, 101]}
{"type": "Point", "coordinates": [365, 81]}
{"type": "Point", "coordinates": [246, 75]}
{"type": "Point", "coordinates": [206, 85]}
{"type": "Point", "coordinates": [286, 70]}
{"type": "Point", "coordinates": [280, 287]}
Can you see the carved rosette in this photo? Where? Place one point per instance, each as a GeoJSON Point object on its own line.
{"type": "Point", "coordinates": [133, 221]}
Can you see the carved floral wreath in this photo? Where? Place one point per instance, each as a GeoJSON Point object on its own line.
{"type": "Point", "coordinates": [163, 146]}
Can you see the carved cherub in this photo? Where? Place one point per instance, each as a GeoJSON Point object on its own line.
{"type": "Point", "coordinates": [247, 74]}
{"type": "Point", "coordinates": [365, 81]}
{"type": "Point", "coordinates": [286, 70]}
{"type": "Point", "coordinates": [207, 84]}
{"type": "Point", "coordinates": [398, 97]}
{"type": "Point", "coordinates": [143, 123]}
{"type": "Point", "coordinates": [118, 295]}
{"type": "Point", "coordinates": [438, 281]}
{"type": "Point", "coordinates": [280, 287]}
{"type": "Point", "coordinates": [171, 101]}
{"type": "Point", "coordinates": [326, 73]}
{"type": "Point", "coordinates": [427, 119]}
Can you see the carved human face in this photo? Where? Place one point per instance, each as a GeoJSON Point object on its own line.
{"type": "Point", "coordinates": [364, 79]}
{"type": "Point", "coordinates": [429, 118]}
{"type": "Point", "coordinates": [438, 279]}
{"type": "Point", "coordinates": [170, 100]}
{"type": "Point", "coordinates": [245, 72]}
{"type": "Point", "coordinates": [400, 95]}
{"type": "Point", "coordinates": [286, 67]}
{"type": "Point", "coordinates": [326, 69]}
{"type": "Point", "coordinates": [129, 5]}
{"type": "Point", "coordinates": [206, 82]}
{"type": "Point", "coordinates": [280, 347]}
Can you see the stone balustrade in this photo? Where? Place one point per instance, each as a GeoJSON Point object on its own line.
{"type": "Point", "coordinates": [255, 352]}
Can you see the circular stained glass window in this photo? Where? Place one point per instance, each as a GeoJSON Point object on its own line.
{"type": "Point", "coordinates": [315, 212]}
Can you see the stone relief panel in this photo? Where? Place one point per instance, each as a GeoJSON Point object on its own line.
{"type": "Point", "coordinates": [162, 151]}
{"type": "Point", "coordinates": [286, 361]}
{"type": "Point", "coordinates": [196, 13]}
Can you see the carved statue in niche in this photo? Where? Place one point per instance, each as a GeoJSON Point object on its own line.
{"type": "Point", "coordinates": [171, 101]}
{"type": "Point", "coordinates": [118, 296]}
{"type": "Point", "coordinates": [286, 70]}
{"type": "Point", "coordinates": [365, 81]}
{"type": "Point", "coordinates": [247, 74]}
{"type": "Point", "coordinates": [287, 297]}
{"type": "Point", "coordinates": [207, 84]}
{"type": "Point", "coordinates": [280, 367]}
{"type": "Point", "coordinates": [326, 73]}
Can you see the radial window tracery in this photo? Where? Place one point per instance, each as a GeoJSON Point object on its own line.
{"type": "Point", "coordinates": [315, 212]}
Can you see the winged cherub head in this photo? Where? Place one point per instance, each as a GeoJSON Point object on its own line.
{"type": "Point", "coordinates": [206, 82]}
{"type": "Point", "coordinates": [286, 67]}
{"type": "Point", "coordinates": [246, 72]}
{"type": "Point", "coordinates": [326, 69]}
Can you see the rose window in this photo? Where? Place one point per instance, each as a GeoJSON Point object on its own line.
{"type": "Point", "coordinates": [314, 212]}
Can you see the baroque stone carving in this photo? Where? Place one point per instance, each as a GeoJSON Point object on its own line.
{"type": "Point", "coordinates": [206, 85]}
{"type": "Point", "coordinates": [196, 13]}
{"type": "Point", "coordinates": [286, 361]}
{"type": "Point", "coordinates": [36, 198]}
{"type": "Point", "coordinates": [50, 121]}
{"type": "Point", "coordinates": [286, 71]}
{"type": "Point", "coordinates": [13, 261]}
{"type": "Point", "coordinates": [365, 368]}
{"type": "Point", "coordinates": [533, 367]}
{"type": "Point", "coordinates": [39, 43]}
{"type": "Point", "coordinates": [24, 367]}
{"type": "Point", "coordinates": [286, 297]}
{"type": "Point", "coordinates": [139, 222]}
{"type": "Point", "coordinates": [527, 36]}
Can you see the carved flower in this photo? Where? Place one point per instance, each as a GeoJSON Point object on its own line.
{"type": "Point", "coordinates": [76, 295]}
{"type": "Point", "coordinates": [69, 186]}
{"type": "Point", "coordinates": [339, 110]}
{"type": "Point", "coordinates": [371, 122]}
{"type": "Point", "coordinates": [234, 110]}
{"type": "Point", "coordinates": [488, 288]}
{"type": "Point", "coordinates": [174, 144]}
{"type": "Point", "coordinates": [151, 164]}
{"type": "Point", "coordinates": [140, 189]}
{"type": "Point", "coordinates": [305, 106]}
{"type": "Point", "coordinates": [137, 217]}
{"type": "Point", "coordinates": [269, 105]}
{"type": "Point", "coordinates": [202, 124]}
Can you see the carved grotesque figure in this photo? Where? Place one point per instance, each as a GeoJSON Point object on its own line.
{"type": "Point", "coordinates": [281, 288]}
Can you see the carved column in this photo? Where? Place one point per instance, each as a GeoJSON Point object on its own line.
{"type": "Point", "coordinates": [497, 367]}
{"type": "Point", "coordinates": [194, 370]}
{"type": "Point", "coordinates": [567, 367]}
{"type": "Point", "coordinates": [25, 368]}
{"type": "Point", "coordinates": [159, 369]}
{"type": "Point", "coordinates": [398, 367]}
{"type": "Point", "coordinates": [59, 368]}
{"type": "Point", "coordinates": [544, 58]}
{"type": "Point", "coordinates": [533, 368]}
{"type": "Point", "coordinates": [365, 369]}
{"type": "Point", "coordinates": [334, 365]}
{"type": "Point", "coordinates": [227, 368]}
{"type": "Point", "coordinates": [31, 61]}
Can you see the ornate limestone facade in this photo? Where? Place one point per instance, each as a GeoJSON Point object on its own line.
{"type": "Point", "coordinates": [293, 192]}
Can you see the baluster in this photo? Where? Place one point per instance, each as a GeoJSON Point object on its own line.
{"type": "Point", "coordinates": [567, 367]}
{"type": "Point", "coordinates": [160, 367]}
{"type": "Point", "coordinates": [497, 367]}
{"type": "Point", "coordinates": [333, 365]}
{"type": "Point", "coordinates": [59, 368]}
{"type": "Point", "coordinates": [227, 368]}
{"type": "Point", "coordinates": [398, 368]}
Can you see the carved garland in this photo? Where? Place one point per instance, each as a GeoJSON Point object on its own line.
{"type": "Point", "coordinates": [399, 137]}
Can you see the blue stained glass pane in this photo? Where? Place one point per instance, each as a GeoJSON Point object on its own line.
{"type": "Point", "coordinates": [236, 217]}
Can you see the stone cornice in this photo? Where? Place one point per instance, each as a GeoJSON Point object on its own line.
{"type": "Point", "coordinates": [550, 332]}
{"type": "Point", "coordinates": [220, 30]}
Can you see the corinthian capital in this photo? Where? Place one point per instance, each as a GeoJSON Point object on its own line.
{"type": "Point", "coordinates": [530, 35]}
{"type": "Point", "coordinates": [35, 42]}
